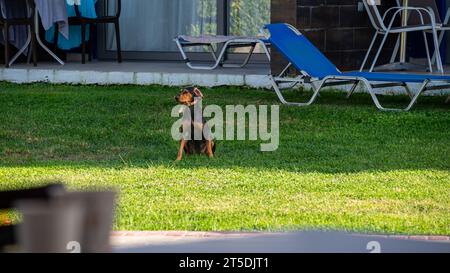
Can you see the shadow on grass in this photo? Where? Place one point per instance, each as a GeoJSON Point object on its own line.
{"type": "Point", "coordinates": [129, 126]}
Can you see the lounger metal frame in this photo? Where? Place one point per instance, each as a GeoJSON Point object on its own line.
{"type": "Point", "coordinates": [219, 59]}
{"type": "Point", "coordinates": [340, 80]}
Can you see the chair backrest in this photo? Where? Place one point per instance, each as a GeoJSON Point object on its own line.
{"type": "Point", "coordinates": [376, 19]}
{"type": "Point", "coordinates": [16, 9]}
{"type": "Point", "coordinates": [107, 4]}
{"type": "Point", "coordinates": [414, 18]}
{"type": "Point", "coordinates": [298, 50]}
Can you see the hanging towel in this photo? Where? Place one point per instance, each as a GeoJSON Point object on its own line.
{"type": "Point", "coordinates": [51, 12]}
{"type": "Point", "coordinates": [87, 9]}
{"type": "Point", "coordinates": [15, 9]}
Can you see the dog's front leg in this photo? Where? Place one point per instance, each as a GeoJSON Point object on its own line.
{"type": "Point", "coordinates": [180, 152]}
{"type": "Point", "coordinates": [209, 150]}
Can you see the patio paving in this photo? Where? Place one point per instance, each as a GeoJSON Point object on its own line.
{"type": "Point", "coordinates": [121, 239]}
{"type": "Point", "coordinates": [264, 242]}
{"type": "Point", "coordinates": [145, 66]}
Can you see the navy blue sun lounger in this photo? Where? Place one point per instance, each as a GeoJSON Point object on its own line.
{"type": "Point", "coordinates": [317, 70]}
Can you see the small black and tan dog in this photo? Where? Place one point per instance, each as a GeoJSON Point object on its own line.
{"type": "Point", "coordinates": [190, 96]}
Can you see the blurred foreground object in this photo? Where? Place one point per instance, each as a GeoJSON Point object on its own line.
{"type": "Point", "coordinates": [8, 199]}
{"type": "Point", "coordinates": [98, 216]}
{"type": "Point", "coordinates": [48, 226]}
{"type": "Point", "coordinates": [57, 221]}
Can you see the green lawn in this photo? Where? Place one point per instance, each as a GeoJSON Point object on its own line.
{"type": "Point", "coordinates": [341, 163]}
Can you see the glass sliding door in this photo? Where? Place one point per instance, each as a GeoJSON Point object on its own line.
{"type": "Point", "coordinates": [149, 26]}
{"type": "Point", "coordinates": [246, 17]}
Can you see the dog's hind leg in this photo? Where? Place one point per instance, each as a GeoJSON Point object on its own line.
{"type": "Point", "coordinates": [209, 148]}
{"type": "Point", "coordinates": [180, 151]}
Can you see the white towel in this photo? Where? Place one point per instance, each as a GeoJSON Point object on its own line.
{"type": "Point", "coordinates": [54, 11]}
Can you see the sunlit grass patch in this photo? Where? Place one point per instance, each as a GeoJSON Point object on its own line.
{"type": "Point", "coordinates": [341, 164]}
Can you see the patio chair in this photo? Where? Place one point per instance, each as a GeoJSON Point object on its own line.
{"type": "Point", "coordinates": [226, 42]}
{"type": "Point", "coordinates": [8, 199]}
{"type": "Point", "coordinates": [84, 22]}
{"type": "Point", "coordinates": [317, 70]}
{"type": "Point", "coordinates": [6, 23]}
{"type": "Point", "coordinates": [441, 26]}
{"type": "Point", "coordinates": [426, 23]}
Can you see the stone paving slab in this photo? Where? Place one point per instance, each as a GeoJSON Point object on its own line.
{"type": "Point", "coordinates": [162, 238]}
{"type": "Point", "coordinates": [280, 242]}
{"type": "Point", "coordinates": [203, 234]}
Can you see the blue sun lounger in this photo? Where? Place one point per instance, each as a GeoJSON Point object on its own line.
{"type": "Point", "coordinates": [318, 71]}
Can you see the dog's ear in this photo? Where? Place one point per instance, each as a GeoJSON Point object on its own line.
{"type": "Point", "coordinates": [198, 93]}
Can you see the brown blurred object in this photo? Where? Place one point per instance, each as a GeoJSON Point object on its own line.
{"type": "Point", "coordinates": [4, 220]}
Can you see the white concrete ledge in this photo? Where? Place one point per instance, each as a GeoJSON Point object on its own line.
{"type": "Point", "coordinates": [55, 75]}
{"type": "Point", "coordinates": [30, 75]}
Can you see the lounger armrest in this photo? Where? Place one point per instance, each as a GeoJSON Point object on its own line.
{"type": "Point", "coordinates": [263, 33]}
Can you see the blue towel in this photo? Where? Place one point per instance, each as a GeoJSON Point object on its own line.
{"type": "Point", "coordinates": [87, 9]}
